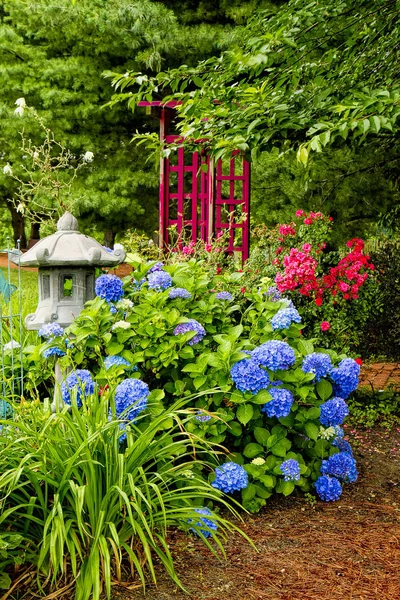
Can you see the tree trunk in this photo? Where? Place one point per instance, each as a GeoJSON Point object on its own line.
{"type": "Point", "coordinates": [18, 225]}
{"type": "Point", "coordinates": [35, 234]}
{"type": "Point", "coordinates": [109, 238]}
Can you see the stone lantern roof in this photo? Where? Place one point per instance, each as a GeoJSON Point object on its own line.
{"type": "Point", "coordinates": [70, 247]}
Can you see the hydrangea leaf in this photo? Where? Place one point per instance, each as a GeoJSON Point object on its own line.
{"type": "Point", "coordinates": [324, 389]}
{"type": "Point", "coordinates": [312, 430]}
{"type": "Point", "coordinates": [245, 413]}
{"type": "Point", "coordinates": [252, 450]}
{"type": "Point", "coordinates": [261, 435]}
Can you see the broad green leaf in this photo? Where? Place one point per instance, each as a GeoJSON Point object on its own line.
{"type": "Point", "coordinates": [245, 413]}
{"type": "Point", "coordinates": [312, 430]}
{"type": "Point", "coordinates": [324, 389]}
{"type": "Point", "coordinates": [252, 450]}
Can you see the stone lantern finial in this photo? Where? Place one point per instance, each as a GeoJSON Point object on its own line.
{"type": "Point", "coordinates": [67, 223]}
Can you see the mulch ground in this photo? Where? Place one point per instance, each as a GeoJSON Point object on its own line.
{"type": "Point", "coordinates": [348, 550]}
{"type": "Point", "coordinates": [380, 376]}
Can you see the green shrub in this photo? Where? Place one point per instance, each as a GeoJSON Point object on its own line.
{"type": "Point", "coordinates": [369, 408]}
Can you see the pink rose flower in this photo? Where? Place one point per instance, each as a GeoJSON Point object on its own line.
{"type": "Point", "coordinates": [325, 326]}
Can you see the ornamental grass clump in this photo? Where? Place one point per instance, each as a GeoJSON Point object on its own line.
{"type": "Point", "coordinates": [91, 509]}
{"type": "Point", "coordinates": [259, 386]}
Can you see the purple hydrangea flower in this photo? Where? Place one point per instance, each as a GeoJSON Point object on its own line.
{"type": "Point", "coordinates": [157, 267]}
{"type": "Point", "coordinates": [281, 403]}
{"type": "Point", "coordinates": [179, 293]}
{"type": "Point", "coordinates": [159, 281]}
{"type": "Point", "coordinates": [345, 377]}
{"type": "Point", "coordinates": [109, 287]}
{"type": "Point", "coordinates": [191, 325]}
{"type": "Point", "coordinates": [318, 363]}
{"type": "Point", "coordinates": [112, 361]}
{"type": "Point", "coordinates": [274, 355]}
{"type": "Point", "coordinates": [131, 398]}
{"type": "Point", "coordinates": [273, 293]}
{"type": "Point", "coordinates": [138, 284]}
{"type": "Point", "coordinates": [333, 412]}
{"type": "Point", "coordinates": [284, 318]}
{"type": "Point", "coordinates": [249, 377]}
{"type": "Point", "coordinates": [204, 522]}
{"type": "Point", "coordinates": [51, 330]}
{"type": "Point", "coordinates": [224, 296]}
{"type": "Point", "coordinates": [290, 469]}
{"type": "Point", "coordinates": [230, 477]}
{"type": "Point", "coordinates": [202, 417]}
{"type": "Point", "coordinates": [79, 380]}
{"type": "Point", "coordinates": [341, 465]}
{"type": "Point", "coordinates": [328, 488]}
{"type": "Point", "coordinates": [53, 351]}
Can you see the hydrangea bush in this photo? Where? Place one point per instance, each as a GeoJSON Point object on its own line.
{"type": "Point", "coordinates": [260, 387]}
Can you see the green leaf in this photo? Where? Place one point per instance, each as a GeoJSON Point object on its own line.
{"type": "Point", "coordinates": [252, 450]}
{"type": "Point", "coordinates": [312, 431]}
{"type": "Point", "coordinates": [267, 480]}
{"type": "Point", "coordinates": [245, 413]}
{"type": "Point", "coordinates": [115, 348]}
{"type": "Point", "coordinates": [261, 435]}
{"type": "Point", "coordinates": [235, 428]}
{"type": "Point", "coordinates": [199, 381]}
{"type": "Point", "coordinates": [261, 397]}
{"type": "Point", "coordinates": [287, 488]}
{"type": "Point", "coordinates": [324, 389]}
{"type": "Point", "coordinates": [249, 492]}
{"type": "Point", "coordinates": [302, 155]}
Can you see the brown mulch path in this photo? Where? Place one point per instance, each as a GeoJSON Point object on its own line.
{"type": "Point", "coordinates": [347, 550]}
{"type": "Point", "coordinates": [380, 376]}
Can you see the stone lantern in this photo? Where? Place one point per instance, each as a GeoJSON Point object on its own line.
{"type": "Point", "coordinates": [67, 261]}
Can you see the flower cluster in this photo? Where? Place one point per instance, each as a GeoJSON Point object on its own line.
{"type": "Point", "coordinates": [318, 363]}
{"type": "Point", "coordinates": [275, 355]}
{"type": "Point", "coordinates": [281, 403]}
{"type": "Point", "coordinates": [179, 293]}
{"type": "Point", "coordinates": [53, 351]}
{"type": "Point", "coordinates": [204, 522]}
{"type": "Point", "coordinates": [343, 445]}
{"type": "Point", "coordinates": [287, 230]}
{"type": "Point", "coordinates": [80, 381]}
{"type": "Point", "coordinates": [290, 470]}
{"type": "Point", "coordinates": [11, 345]}
{"type": "Point", "coordinates": [273, 294]}
{"type": "Point", "coordinates": [342, 466]}
{"type": "Point", "coordinates": [51, 330]}
{"type": "Point", "coordinates": [333, 412]}
{"type": "Point", "coordinates": [249, 377]}
{"type": "Point", "coordinates": [230, 477]}
{"type": "Point", "coordinates": [159, 281]}
{"type": "Point", "coordinates": [120, 325]}
{"type": "Point", "coordinates": [157, 267]}
{"type": "Point", "coordinates": [109, 287]}
{"type": "Point", "coordinates": [345, 377]}
{"type": "Point", "coordinates": [191, 325]}
{"type": "Point", "coordinates": [116, 361]}
{"type": "Point", "coordinates": [299, 272]}
{"type": "Point", "coordinates": [328, 488]}
{"type": "Point", "coordinates": [284, 318]}
{"type": "Point", "coordinates": [224, 296]}
{"type": "Point", "coordinates": [202, 417]}
{"type": "Point", "coordinates": [131, 398]}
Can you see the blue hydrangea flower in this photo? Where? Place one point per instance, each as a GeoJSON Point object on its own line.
{"type": "Point", "coordinates": [159, 281]}
{"type": "Point", "coordinates": [333, 412]}
{"type": "Point", "coordinates": [328, 488]}
{"type": "Point", "coordinates": [274, 355]}
{"type": "Point", "coordinates": [341, 465]}
{"type": "Point", "coordinates": [230, 477]}
{"type": "Point", "coordinates": [318, 363]}
{"type": "Point", "coordinates": [109, 287]}
{"type": "Point", "coordinates": [131, 398]}
{"type": "Point", "coordinates": [138, 284]}
{"type": "Point", "coordinates": [113, 309]}
{"type": "Point", "coordinates": [179, 293]}
{"type": "Point", "coordinates": [281, 403]}
{"type": "Point", "coordinates": [273, 294]}
{"type": "Point", "coordinates": [202, 417]}
{"type": "Point", "coordinates": [343, 445]}
{"type": "Point", "coordinates": [204, 522]}
{"type": "Point", "coordinates": [290, 469]}
{"type": "Point", "coordinates": [112, 361]}
{"type": "Point", "coordinates": [345, 377]}
{"type": "Point", "coordinates": [51, 330]}
{"type": "Point", "coordinates": [53, 351]}
{"type": "Point", "coordinates": [79, 380]}
{"type": "Point", "coordinates": [191, 325]}
{"type": "Point", "coordinates": [157, 267]}
{"type": "Point", "coordinates": [224, 296]}
{"type": "Point", "coordinates": [284, 318]}
{"type": "Point", "coordinates": [249, 377]}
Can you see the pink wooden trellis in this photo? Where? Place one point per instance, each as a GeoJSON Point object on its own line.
{"type": "Point", "coordinates": [201, 202]}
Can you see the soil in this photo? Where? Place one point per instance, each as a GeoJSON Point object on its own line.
{"type": "Point", "coordinates": [347, 550]}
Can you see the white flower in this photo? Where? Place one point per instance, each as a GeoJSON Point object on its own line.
{"type": "Point", "coordinates": [328, 433]}
{"type": "Point", "coordinates": [36, 155]}
{"type": "Point", "coordinates": [21, 105]}
{"type": "Point", "coordinates": [20, 102]}
{"type": "Point", "coordinates": [120, 325]}
{"type": "Point", "coordinates": [88, 157]}
{"type": "Point", "coordinates": [124, 304]}
{"type": "Point", "coordinates": [258, 461]}
{"type": "Point", "coordinates": [12, 345]}
{"type": "Point", "coordinates": [21, 208]}
{"type": "Point", "coordinates": [7, 170]}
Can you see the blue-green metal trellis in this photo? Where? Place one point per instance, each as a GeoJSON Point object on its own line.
{"type": "Point", "coordinates": [11, 327]}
